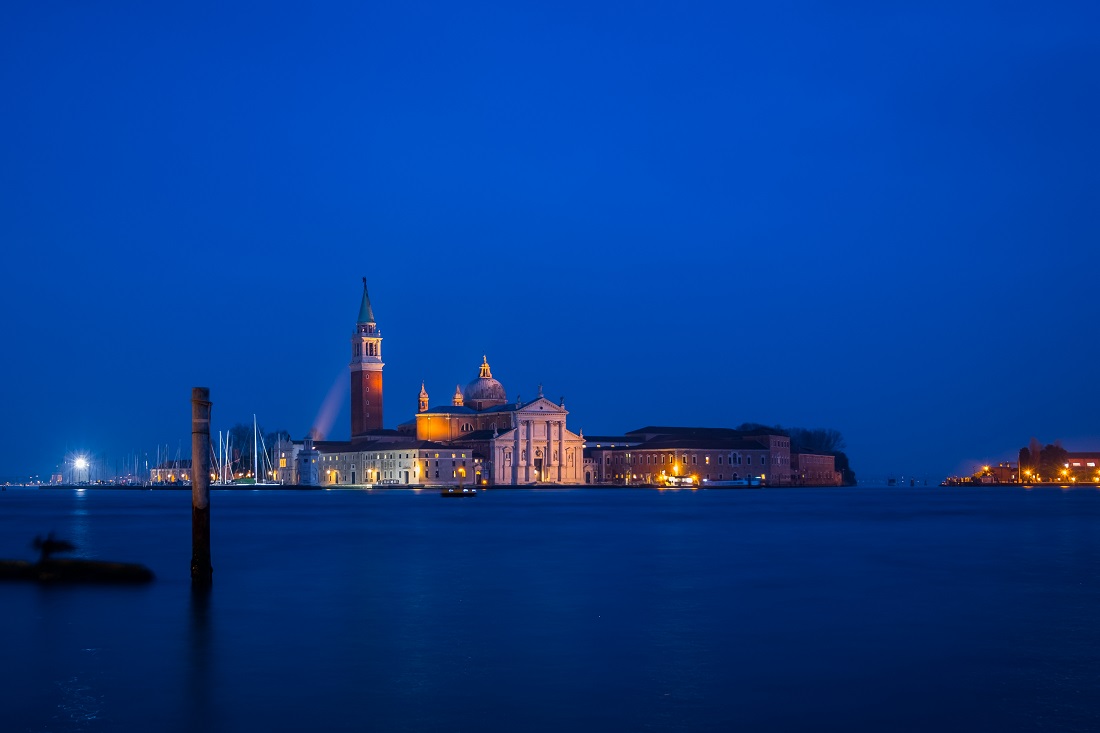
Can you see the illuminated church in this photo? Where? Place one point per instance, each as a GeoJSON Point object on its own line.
{"type": "Point", "coordinates": [480, 437]}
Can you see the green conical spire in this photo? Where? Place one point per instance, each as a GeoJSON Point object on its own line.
{"type": "Point", "coordinates": [366, 314]}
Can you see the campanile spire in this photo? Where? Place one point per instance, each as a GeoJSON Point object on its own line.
{"type": "Point", "coordinates": [366, 371]}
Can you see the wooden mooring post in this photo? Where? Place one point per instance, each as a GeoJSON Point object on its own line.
{"type": "Point", "coordinates": [201, 571]}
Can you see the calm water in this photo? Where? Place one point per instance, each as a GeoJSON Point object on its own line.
{"type": "Point", "coordinates": [564, 610]}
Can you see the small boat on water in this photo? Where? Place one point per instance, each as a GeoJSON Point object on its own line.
{"type": "Point", "coordinates": [457, 492]}
{"type": "Point", "coordinates": [740, 483]}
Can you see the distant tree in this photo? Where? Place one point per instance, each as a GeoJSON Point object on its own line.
{"type": "Point", "coordinates": [241, 439]}
{"type": "Point", "coordinates": [272, 438]}
{"type": "Point", "coordinates": [1025, 461]}
{"type": "Point", "coordinates": [1052, 461]}
{"type": "Point", "coordinates": [1035, 449]}
{"type": "Point", "coordinates": [748, 427]}
{"type": "Point", "coordinates": [824, 441]}
{"type": "Point", "coordinates": [847, 475]}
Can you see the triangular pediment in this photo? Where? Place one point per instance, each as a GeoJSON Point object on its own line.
{"type": "Point", "coordinates": [541, 406]}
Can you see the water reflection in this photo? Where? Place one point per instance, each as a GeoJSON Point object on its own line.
{"type": "Point", "coordinates": [78, 527]}
{"type": "Point", "coordinates": [197, 702]}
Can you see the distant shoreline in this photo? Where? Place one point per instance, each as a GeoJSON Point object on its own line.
{"type": "Point", "coordinates": [365, 487]}
{"type": "Point", "coordinates": [1003, 484]}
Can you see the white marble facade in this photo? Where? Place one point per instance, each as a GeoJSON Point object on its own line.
{"type": "Point", "coordinates": [539, 448]}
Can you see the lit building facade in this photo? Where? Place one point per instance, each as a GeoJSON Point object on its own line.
{"type": "Point", "coordinates": [399, 463]}
{"type": "Point", "coordinates": [171, 472]}
{"type": "Point", "coordinates": [813, 469]}
{"type": "Point", "coordinates": [648, 456]}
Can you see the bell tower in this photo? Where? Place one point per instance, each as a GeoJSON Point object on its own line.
{"type": "Point", "coordinates": [366, 371]}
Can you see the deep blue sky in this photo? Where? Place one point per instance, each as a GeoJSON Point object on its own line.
{"type": "Point", "coordinates": [882, 220]}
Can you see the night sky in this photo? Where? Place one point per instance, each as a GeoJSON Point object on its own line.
{"type": "Point", "coordinates": [882, 220]}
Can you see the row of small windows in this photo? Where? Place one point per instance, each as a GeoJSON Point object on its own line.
{"type": "Point", "coordinates": [650, 478]}
{"type": "Point", "coordinates": [336, 456]}
{"type": "Point", "coordinates": [426, 462]}
{"type": "Point", "coordinates": [650, 459]}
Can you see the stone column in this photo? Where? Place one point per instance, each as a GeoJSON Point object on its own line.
{"type": "Point", "coordinates": [548, 463]}
{"type": "Point", "coordinates": [561, 451]}
{"type": "Point", "coordinates": [515, 455]}
{"type": "Point", "coordinates": [530, 451]}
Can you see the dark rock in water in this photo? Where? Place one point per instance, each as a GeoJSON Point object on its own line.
{"type": "Point", "coordinates": [75, 571]}
{"type": "Point", "coordinates": [47, 570]}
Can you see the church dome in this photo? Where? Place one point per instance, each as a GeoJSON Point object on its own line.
{"type": "Point", "coordinates": [484, 391]}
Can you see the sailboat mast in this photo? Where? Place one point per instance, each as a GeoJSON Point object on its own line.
{"type": "Point", "coordinates": [255, 468]}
